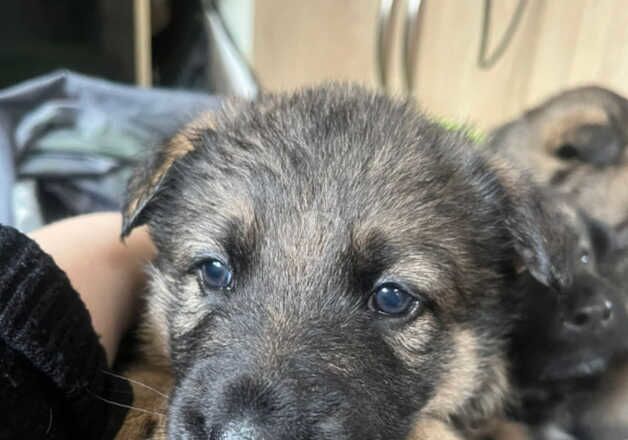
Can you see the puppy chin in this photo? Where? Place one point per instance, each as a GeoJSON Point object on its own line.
{"type": "Point", "coordinates": [575, 368]}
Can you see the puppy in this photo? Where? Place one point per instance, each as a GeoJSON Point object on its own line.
{"type": "Point", "coordinates": [566, 342]}
{"type": "Point", "coordinates": [602, 413]}
{"type": "Point", "coordinates": [575, 142]}
{"type": "Point", "coordinates": [332, 265]}
{"type": "Point", "coordinates": [569, 346]}
{"type": "Point", "coordinates": [575, 331]}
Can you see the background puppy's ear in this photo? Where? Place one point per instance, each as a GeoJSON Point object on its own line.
{"type": "Point", "coordinates": [539, 235]}
{"type": "Point", "coordinates": [584, 124]}
{"type": "Point", "coordinates": [541, 244]}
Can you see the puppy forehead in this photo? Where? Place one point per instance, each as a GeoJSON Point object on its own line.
{"type": "Point", "coordinates": [272, 170]}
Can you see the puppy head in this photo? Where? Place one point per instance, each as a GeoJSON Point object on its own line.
{"type": "Point", "coordinates": [576, 331]}
{"type": "Point", "coordinates": [331, 266]}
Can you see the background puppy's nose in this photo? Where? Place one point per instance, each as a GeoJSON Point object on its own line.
{"type": "Point", "coordinates": [590, 315]}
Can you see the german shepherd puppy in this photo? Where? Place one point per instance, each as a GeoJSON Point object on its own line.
{"type": "Point", "coordinates": [566, 343]}
{"type": "Point", "coordinates": [333, 265]}
{"type": "Point", "coordinates": [577, 330]}
{"type": "Point", "coordinates": [575, 142]}
{"type": "Point", "coordinates": [602, 414]}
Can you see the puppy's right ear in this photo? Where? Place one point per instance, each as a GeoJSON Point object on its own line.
{"type": "Point", "coordinates": [539, 241]}
{"type": "Point", "coordinates": [538, 236]}
{"type": "Point", "coordinates": [148, 179]}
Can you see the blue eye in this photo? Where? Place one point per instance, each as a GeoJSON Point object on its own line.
{"type": "Point", "coordinates": [216, 274]}
{"type": "Point", "coordinates": [391, 299]}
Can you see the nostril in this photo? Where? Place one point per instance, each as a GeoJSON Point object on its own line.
{"type": "Point", "coordinates": [580, 319]}
{"type": "Point", "coordinates": [195, 423]}
{"type": "Point", "coordinates": [590, 316]}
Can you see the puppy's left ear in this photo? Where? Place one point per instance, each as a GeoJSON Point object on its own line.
{"type": "Point", "coordinates": [149, 178]}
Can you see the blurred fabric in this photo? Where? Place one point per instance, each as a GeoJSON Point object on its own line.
{"type": "Point", "coordinates": [68, 142]}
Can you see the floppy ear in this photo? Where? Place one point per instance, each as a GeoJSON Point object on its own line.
{"type": "Point", "coordinates": [541, 243]}
{"type": "Point", "coordinates": [148, 178]}
{"type": "Point", "coordinates": [538, 238]}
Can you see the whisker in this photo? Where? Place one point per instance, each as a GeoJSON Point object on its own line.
{"type": "Point", "coordinates": [122, 405]}
{"type": "Point", "coordinates": [49, 423]}
{"type": "Point", "coordinates": [136, 382]}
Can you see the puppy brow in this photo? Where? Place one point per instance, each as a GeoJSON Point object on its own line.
{"type": "Point", "coordinates": [370, 254]}
{"type": "Point", "coordinates": [240, 242]}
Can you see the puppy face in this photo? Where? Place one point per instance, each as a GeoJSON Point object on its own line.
{"type": "Point", "coordinates": [577, 331]}
{"type": "Point", "coordinates": [331, 266]}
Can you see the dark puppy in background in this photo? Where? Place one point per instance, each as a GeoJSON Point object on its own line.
{"type": "Point", "coordinates": [332, 265]}
{"type": "Point", "coordinates": [576, 330]}
{"type": "Point", "coordinates": [568, 343]}
{"type": "Point", "coordinates": [575, 142]}
{"type": "Point", "coordinates": [601, 412]}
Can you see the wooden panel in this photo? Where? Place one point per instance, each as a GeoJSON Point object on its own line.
{"type": "Point", "coordinates": [559, 43]}
{"type": "Point", "coordinates": [449, 81]}
{"type": "Point", "coordinates": [301, 42]}
{"type": "Point", "coordinates": [581, 42]}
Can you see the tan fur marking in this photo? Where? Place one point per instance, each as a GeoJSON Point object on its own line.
{"type": "Point", "coordinates": [148, 424]}
{"type": "Point", "coordinates": [460, 379]}
{"type": "Point", "coordinates": [153, 331]}
{"type": "Point", "coordinates": [506, 430]}
{"type": "Point", "coordinates": [175, 149]}
{"type": "Point", "coordinates": [432, 429]}
{"type": "Point", "coordinates": [463, 379]}
{"type": "Point", "coordinates": [555, 126]}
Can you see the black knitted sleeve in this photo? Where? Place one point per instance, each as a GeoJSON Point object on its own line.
{"type": "Point", "coordinates": [52, 380]}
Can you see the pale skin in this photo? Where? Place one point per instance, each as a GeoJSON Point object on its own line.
{"type": "Point", "coordinates": [107, 273]}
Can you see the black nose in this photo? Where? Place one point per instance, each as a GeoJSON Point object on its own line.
{"type": "Point", "coordinates": [591, 315]}
{"type": "Point", "coordinates": [245, 407]}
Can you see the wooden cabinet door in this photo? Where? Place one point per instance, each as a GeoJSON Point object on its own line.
{"type": "Point", "coordinates": [304, 42]}
{"type": "Point", "coordinates": [558, 44]}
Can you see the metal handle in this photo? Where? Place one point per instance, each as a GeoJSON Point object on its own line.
{"type": "Point", "coordinates": [411, 43]}
{"type": "Point", "coordinates": [486, 61]}
{"type": "Point", "coordinates": [384, 40]}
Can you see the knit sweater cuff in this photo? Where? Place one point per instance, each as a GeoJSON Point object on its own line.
{"type": "Point", "coordinates": [42, 317]}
